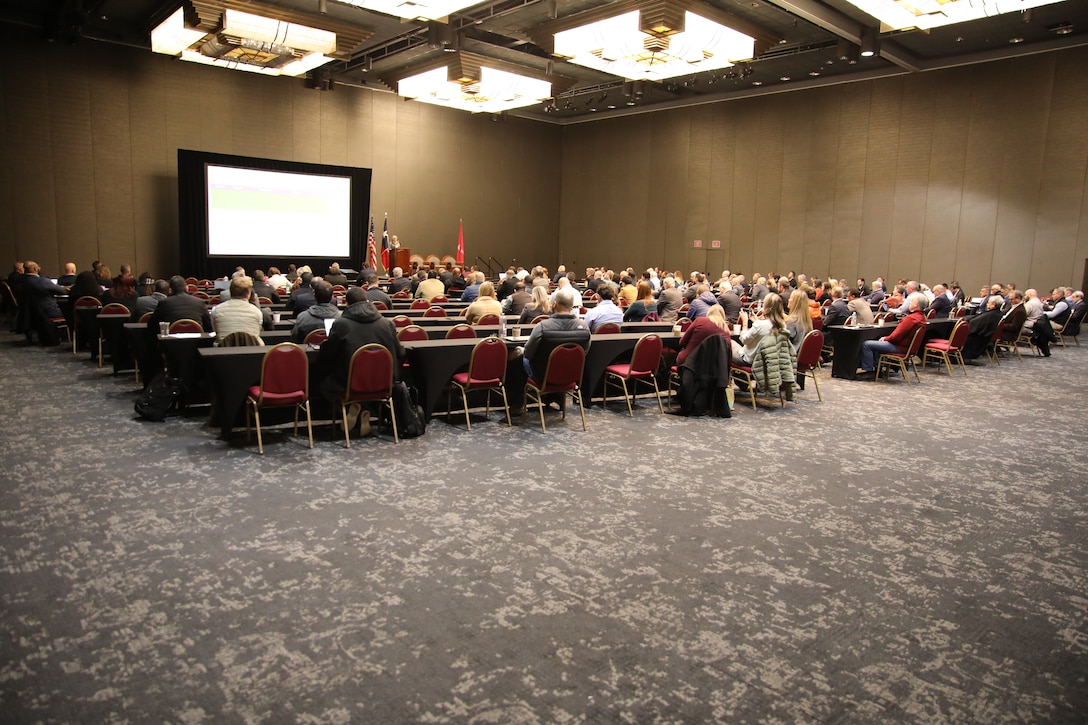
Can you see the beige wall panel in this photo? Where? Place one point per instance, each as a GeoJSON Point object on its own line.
{"type": "Point", "coordinates": [153, 188]}
{"type": "Point", "coordinates": [743, 252]}
{"type": "Point", "coordinates": [302, 138]}
{"type": "Point", "coordinates": [720, 181]}
{"type": "Point", "coordinates": [334, 127]}
{"type": "Point", "coordinates": [771, 140]}
{"type": "Point", "coordinates": [666, 211]}
{"type": "Point", "coordinates": [218, 106]}
{"type": "Point", "coordinates": [383, 187]}
{"type": "Point", "coordinates": [532, 230]}
{"type": "Point", "coordinates": [432, 228]}
{"type": "Point", "coordinates": [253, 119]}
{"type": "Point", "coordinates": [111, 139]}
{"type": "Point", "coordinates": [855, 100]}
{"type": "Point", "coordinates": [812, 252]}
{"type": "Point", "coordinates": [1065, 167]}
{"type": "Point", "coordinates": [360, 127]}
{"type": "Point", "coordinates": [911, 180]}
{"type": "Point", "coordinates": [31, 159]}
{"type": "Point", "coordinates": [1026, 87]}
{"type": "Point", "coordinates": [697, 195]}
{"type": "Point", "coordinates": [408, 207]}
{"type": "Point", "coordinates": [69, 125]}
{"type": "Point", "coordinates": [946, 168]}
{"type": "Point", "coordinates": [881, 156]}
{"type": "Point", "coordinates": [981, 183]}
{"type": "Point", "coordinates": [796, 171]}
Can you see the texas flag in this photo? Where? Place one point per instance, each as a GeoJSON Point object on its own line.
{"type": "Point", "coordinates": [385, 245]}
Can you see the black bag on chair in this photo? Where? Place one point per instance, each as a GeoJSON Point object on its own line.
{"type": "Point", "coordinates": [165, 395]}
{"type": "Point", "coordinates": [411, 422]}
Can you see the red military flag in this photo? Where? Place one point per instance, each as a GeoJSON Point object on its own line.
{"type": "Point", "coordinates": [460, 242]}
{"type": "Point", "coordinates": [371, 251]}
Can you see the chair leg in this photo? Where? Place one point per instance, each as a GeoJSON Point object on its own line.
{"type": "Point", "coordinates": [817, 384]}
{"type": "Point", "coordinates": [657, 393]}
{"type": "Point", "coordinates": [540, 410]}
{"type": "Point", "coordinates": [464, 401]}
{"type": "Point", "coordinates": [581, 408]}
{"type": "Point", "coordinates": [627, 397]}
{"type": "Point", "coordinates": [506, 406]}
{"type": "Point", "coordinates": [257, 424]}
{"type": "Point", "coordinates": [393, 418]}
{"type": "Point", "coordinates": [344, 422]}
{"type": "Point", "coordinates": [309, 425]}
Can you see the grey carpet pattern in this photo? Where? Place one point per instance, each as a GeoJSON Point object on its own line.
{"type": "Point", "coordinates": [893, 554]}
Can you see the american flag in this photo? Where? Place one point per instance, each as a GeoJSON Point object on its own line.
{"type": "Point", "coordinates": [371, 252]}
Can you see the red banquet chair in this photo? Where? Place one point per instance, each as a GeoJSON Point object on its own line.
{"type": "Point", "coordinates": [643, 366]}
{"type": "Point", "coordinates": [948, 350]}
{"type": "Point", "coordinates": [83, 303]}
{"type": "Point", "coordinates": [435, 312]}
{"type": "Point", "coordinates": [411, 332]}
{"type": "Point", "coordinates": [489, 320]}
{"type": "Point", "coordinates": [402, 321]}
{"type": "Point", "coordinates": [562, 375]}
{"type": "Point", "coordinates": [285, 381]}
{"type": "Point", "coordinates": [370, 378]}
{"type": "Point", "coordinates": [486, 371]}
{"type": "Point", "coordinates": [461, 331]}
{"type": "Point", "coordinates": [900, 359]}
{"type": "Point", "coordinates": [608, 328]}
{"type": "Point", "coordinates": [808, 357]}
{"type": "Point", "coordinates": [185, 326]}
{"type": "Point", "coordinates": [420, 305]}
{"type": "Point", "coordinates": [316, 337]}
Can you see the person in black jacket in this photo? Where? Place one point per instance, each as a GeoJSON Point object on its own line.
{"type": "Point", "coordinates": [561, 327]}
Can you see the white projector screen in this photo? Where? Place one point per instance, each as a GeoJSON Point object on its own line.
{"type": "Point", "coordinates": [275, 214]}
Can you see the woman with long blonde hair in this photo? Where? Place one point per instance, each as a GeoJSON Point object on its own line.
{"type": "Point", "coordinates": [799, 319]}
{"type": "Point", "coordinates": [772, 322]}
{"type": "Point", "coordinates": [540, 305]}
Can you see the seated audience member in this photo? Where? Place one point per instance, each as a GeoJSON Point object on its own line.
{"type": "Point", "coordinates": [982, 326]}
{"type": "Point", "coordinates": [815, 310]}
{"type": "Point", "coordinates": [605, 311]}
{"type": "Point", "coordinates": [335, 276]}
{"type": "Point", "coordinates": [180, 305]}
{"type": "Point", "coordinates": [900, 338]}
{"type": "Point", "coordinates": [103, 275]}
{"type": "Point", "coordinates": [839, 309]}
{"type": "Point", "coordinates": [276, 280]}
{"type": "Point", "coordinates": [713, 322]}
{"type": "Point", "coordinates": [430, 288]}
{"type": "Point", "coordinates": [704, 299]}
{"type": "Point", "coordinates": [515, 303]}
{"type": "Point", "coordinates": [148, 303]}
{"type": "Point", "coordinates": [456, 281]}
{"type": "Point", "coordinates": [1033, 309]}
{"type": "Point", "coordinates": [670, 300]}
{"type": "Point", "coordinates": [86, 285]}
{"type": "Point", "coordinates": [374, 293]}
{"type": "Point", "coordinates": [302, 296]}
{"type": "Point", "coordinates": [576, 296]}
{"type": "Point", "coordinates": [473, 290]}
{"type": "Point", "coordinates": [122, 291]}
{"type": "Point", "coordinates": [859, 305]}
{"type": "Point", "coordinates": [941, 305]}
{"type": "Point", "coordinates": [39, 294]}
{"type": "Point", "coordinates": [628, 292]}
{"type": "Point", "coordinates": [730, 302]}
{"type": "Point", "coordinates": [759, 290]}
{"type": "Point", "coordinates": [17, 275]}
{"type": "Point", "coordinates": [799, 319]}
{"type": "Point", "coordinates": [876, 297]}
{"type": "Point", "coordinates": [484, 304]}
{"type": "Point", "coordinates": [1015, 316]}
{"type": "Point", "coordinates": [1059, 307]}
{"type": "Point", "coordinates": [313, 318]}
{"type": "Point", "coordinates": [1037, 324]}
{"type": "Point", "coordinates": [239, 313]}
{"type": "Point", "coordinates": [360, 324]}
{"type": "Point", "coordinates": [292, 274]}
{"type": "Point", "coordinates": [540, 305]}
{"type": "Point", "coordinates": [69, 276]}
{"type": "Point", "coordinates": [751, 337]}
{"type": "Point", "coordinates": [263, 288]}
{"type": "Point", "coordinates": [562, 327]}
{"type": "Point", "coordinates": [959, 299]}
{"type": "Point", "coordinates": [643, 305]}
{"type": "Point", "coordinates": [507, 286]}
{"type": "Point", "coordinates": [399, 283]}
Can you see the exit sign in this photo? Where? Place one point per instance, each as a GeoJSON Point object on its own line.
{"type": "Point", "coordinates": [698, 243]}
{"type": "Point", "coordinates": [716, 244]}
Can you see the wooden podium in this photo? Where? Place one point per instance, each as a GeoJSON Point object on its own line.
{"type": "Point", "coordinates": [403, 259]}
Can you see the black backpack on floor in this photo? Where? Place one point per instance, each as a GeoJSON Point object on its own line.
{"type": "Point", "coordinates": [411, 422]}
{"type": "Point", "coordinates": [165, 395]}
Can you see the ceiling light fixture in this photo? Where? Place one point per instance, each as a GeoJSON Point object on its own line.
{"type": "Point", "coordinates": [413, 9]}
{"type": "Point", "coordinates": [475, 83]}
{"type": "Point", "coordinates": [869, 42]}
{"type": "Point", "coordinates": [653, 39]}
{"type": "Point", "coordinates": [245, 41]}
{"type": "Point", "coordinates": [926, 14]}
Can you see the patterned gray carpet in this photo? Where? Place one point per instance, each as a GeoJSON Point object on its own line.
{"type": "Point", "coordinates": [893, 554]}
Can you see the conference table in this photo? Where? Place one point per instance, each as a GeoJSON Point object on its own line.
{"type": "Point", "coordinates": [848, 340]}
{"type": "Point", "coordinates": [431, 363]}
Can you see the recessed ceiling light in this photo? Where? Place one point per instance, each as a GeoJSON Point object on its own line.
{"type": "Point", "coordinates": [784, 78]}
{"type": "Point", "coordinates": [1014, 41]}
{"type": "Point", "coordinates": [814, 73]}
{"type": "Point", "coordinates": [1061, 28]}
{"type": "Point", "coordinates": [757, 83]}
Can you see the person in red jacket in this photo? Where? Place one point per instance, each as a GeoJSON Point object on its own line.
{"type": "Point", "coordinates": [900, 338]}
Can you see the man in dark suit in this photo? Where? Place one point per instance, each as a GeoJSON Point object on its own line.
{"type": "Point", "coordinates": [1013, 321]}
{"type": "Point", "coordinates": [730, 302]}
{"type": "Point", "coordinates": [335, 276]}
{"type": "Point", "coordinates": [180, 305]}
{"type": "Point", "coordinates": [261, 288]}
{"type": "Point", "coordinates": [374, 293]}
{"type": "Point", "coordinates": [942, 302]}
{"type": "Point", "coordinates": [303, 297]}
{"type": "Point", "coordinates": [981, 327]}
{"type": "Point", "coordinates": [838, 311]}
